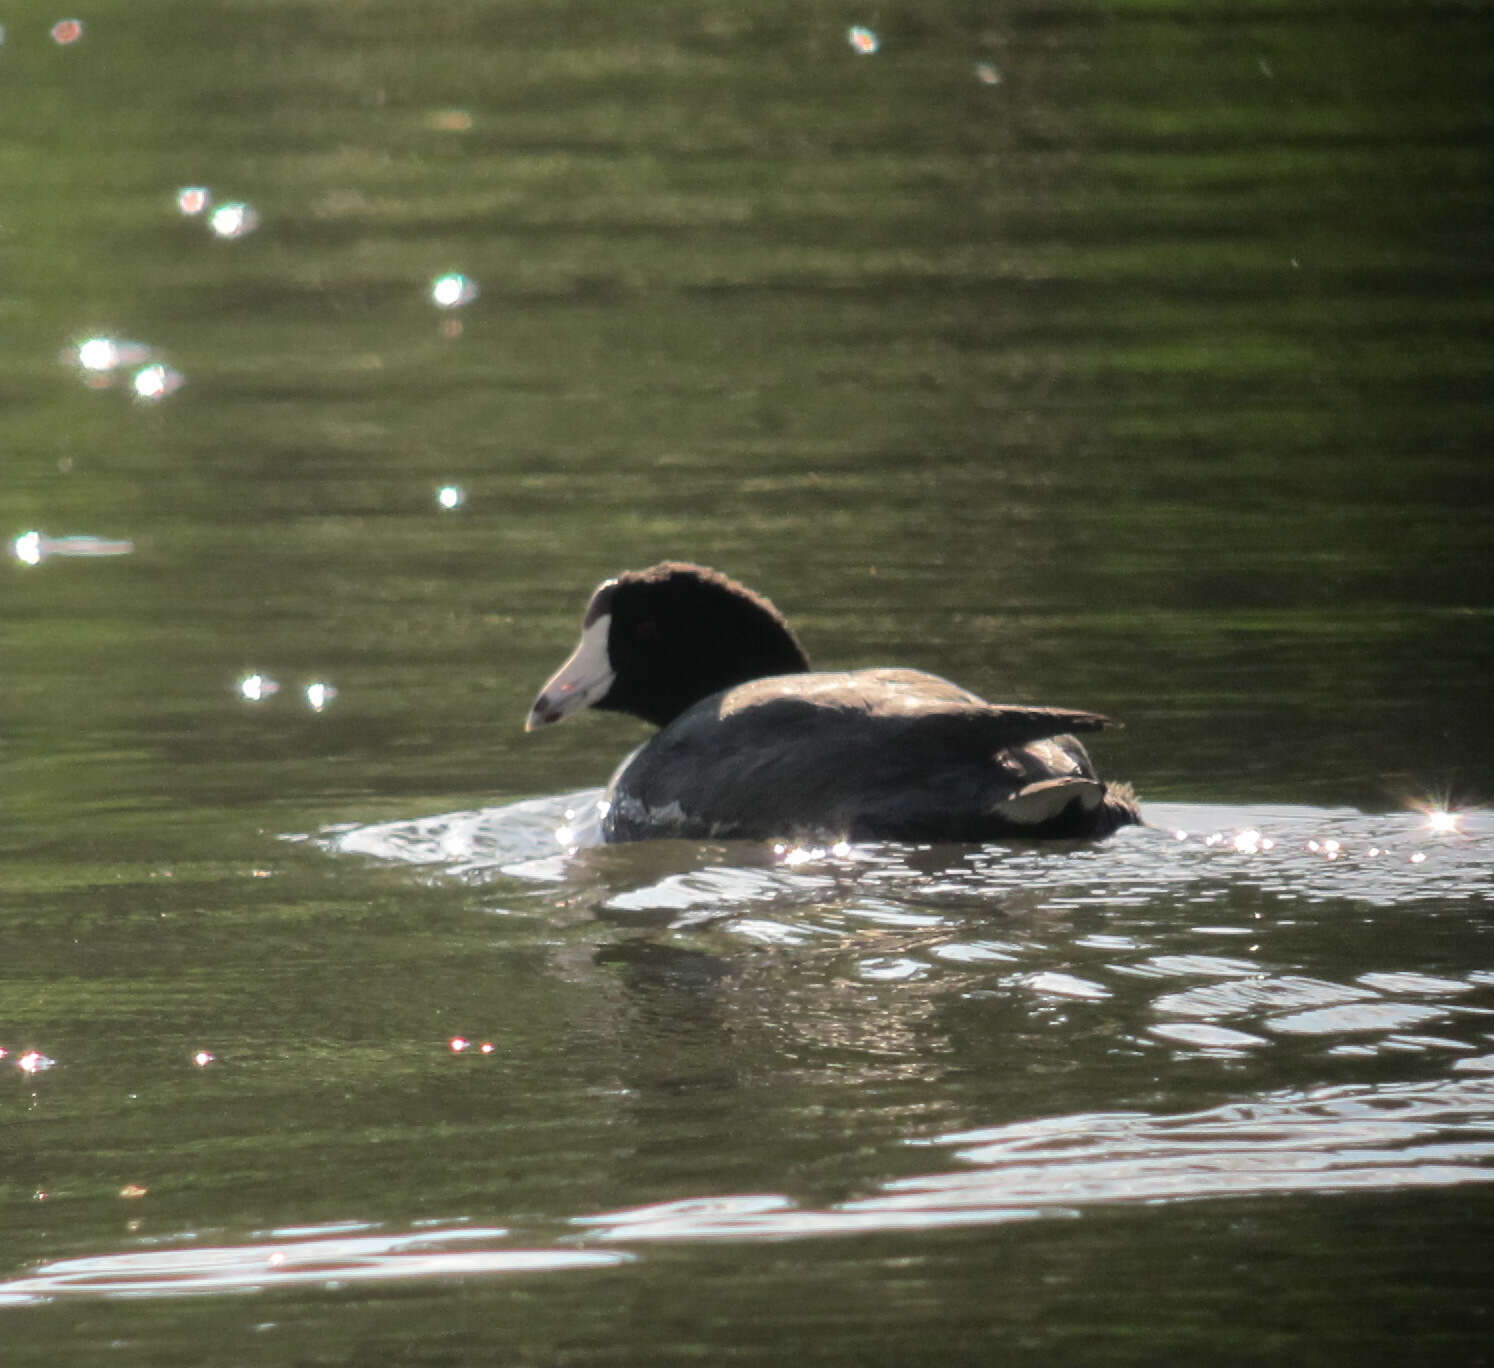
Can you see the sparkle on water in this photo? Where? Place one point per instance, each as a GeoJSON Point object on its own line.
{"type": "Point", "coordinates": [453, 290]}
{"type": "Point", "coordinates": [157, 381]}
{"type": "Point", "coordinates": [319, 695]}
{"type": "Point", "coordinates": [233, 220]}
{"type": "Point", "coordinates": [193, 199]}
{"type": "Point", "coordinates": [257, 687]}
{"type": "Point", "coordinates": [101, 354]}
{"type": "Point", "coordinates": [33, 547]}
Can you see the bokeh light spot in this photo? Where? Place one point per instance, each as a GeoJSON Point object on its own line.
{"type": "Point", "coordinates": [32, 548]}
{"type": "Point", "coordinates": [318, 695]}
{"type": "Point", "coordinates": [257, 687]}
{"type": "Point", "coordinates": [28, 548]}
{"type": "Point", "coordinates": [233, 220]}
{"type": "Point", "coordinates": [98, 354]}
{"type": "Point", "coordinates": [453, 290]}
{"type": "Point", "coordinates": [156, 382]}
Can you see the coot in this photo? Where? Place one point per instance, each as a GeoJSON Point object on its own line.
{"type": "Point", "coordinates": [753, 744]}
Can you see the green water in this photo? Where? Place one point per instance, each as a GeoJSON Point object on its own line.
{"type": "Point", "coordinates": [1132, 357]}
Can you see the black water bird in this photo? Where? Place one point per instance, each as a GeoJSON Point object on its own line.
{"type": "Point", "coordinates": [753, 744]}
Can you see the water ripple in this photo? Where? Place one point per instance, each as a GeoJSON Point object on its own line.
{"type": "Point", "coordinates": [1192, 853]}
{"type": "Point", "coordinates": [1122, 930]}
{"type": "Point", "coordinates": [1329, 1140]}
{"type": "Point", "coordinates": [292, 1258]}
{"type": "Point", "coordinates": [1325, 1140]}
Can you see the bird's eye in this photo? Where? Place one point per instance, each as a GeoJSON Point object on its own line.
{"type": "Point", "coordinates": [647, 630]}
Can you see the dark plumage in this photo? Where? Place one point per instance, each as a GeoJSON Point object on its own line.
{"type": "Point", "coordinates": [753, 744]}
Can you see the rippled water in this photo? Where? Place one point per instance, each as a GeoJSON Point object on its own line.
{"type": "Point", "coordinates": [1202, 946]}
{"type": "Point", "coordinates": [1329, 971]}
{"type": "Point", "coordinates": [1195, 853]}
{"type": "Point", "coordinates": [1205, 915]}
{"type": "Point", "coordinates": [328, 1260]}
{"type": "Point", "coordinates": [1130, 357]}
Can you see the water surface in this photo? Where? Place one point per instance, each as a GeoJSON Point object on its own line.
{"type": "Point", "coordinates": [1114, 357]}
